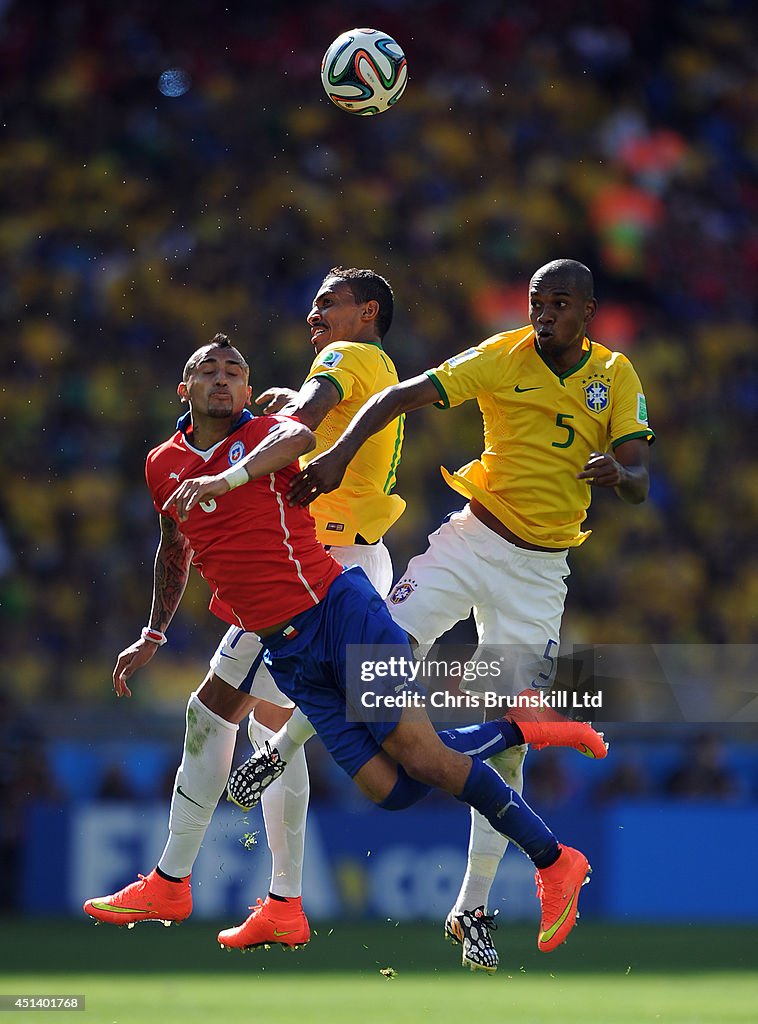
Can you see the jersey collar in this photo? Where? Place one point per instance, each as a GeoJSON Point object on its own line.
{"type": "Point", "coordinates": [184, 423]}
{"type": "Point", "coordinates": [586, 346]}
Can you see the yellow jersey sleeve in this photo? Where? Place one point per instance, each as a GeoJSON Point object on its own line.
{"type": "Point", "coordinates": [346, 365]}
{"type": "Point", "coordinates": [465, 375]}
{"type": "Point", "coordinates": [363, 504]}
{"type": "Point", "coordinates": [629, 417]}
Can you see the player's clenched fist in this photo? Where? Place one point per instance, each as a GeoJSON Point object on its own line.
{"type": "Point", "coordinates": [275, 399]}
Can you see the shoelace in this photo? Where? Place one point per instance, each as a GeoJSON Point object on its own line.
{"type": "Point", "coordinates": [555, 898]}
{"type": "Point", "coordinates": [127, 892]}
{"type": "Point", "coordinates": [488, 920]}
{"type": "Point", "coordinates": [271, 756]}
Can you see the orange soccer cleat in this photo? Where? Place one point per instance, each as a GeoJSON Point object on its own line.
{"type": "Point", "coordinates": [272, 922]}
{"type": "Point", "coordinates": [151, 898]}
{"type": "Point", "coordinates": [545, 727]}
{"type": "Point", "coordinates": [558, 889]}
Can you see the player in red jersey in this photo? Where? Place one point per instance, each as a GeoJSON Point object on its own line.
{"type": "Point", "coordinates": [215, 437]}
{"type": "Point", "coordinates": [268, 573]}
{"type": "Point", "coordinates": [284, 583]}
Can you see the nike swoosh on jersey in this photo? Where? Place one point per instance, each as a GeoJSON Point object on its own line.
{"type": "Point", "coordinates": [520, 391]}
{"type": "Point", "coordinates": [229, 656]}
{"type": "Point", "coordinates": [181, 792]}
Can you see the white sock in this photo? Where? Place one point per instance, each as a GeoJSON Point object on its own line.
{"type": "Point", "coordinates": [486, 846]}
{"type": "Point", "coordinates": [285, 807]}
{"type": "Point", "coordinates": [206, 762]}
{"type": "Point", "coordinates": [290, 737]}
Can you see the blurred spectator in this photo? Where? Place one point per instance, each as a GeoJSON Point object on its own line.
{"type": "Point", "coordinates": [135, 225]}
{"type": "Point", "coordinates": [704, 773]}
{"type": "Point", "coordinates": [29, 780]}
{"type": "Point", "coordinates": [548, 780]}
{"type": "Point", "coordinates": [115, 785]}
{"type": "Point", "coordinates": [627, 781]}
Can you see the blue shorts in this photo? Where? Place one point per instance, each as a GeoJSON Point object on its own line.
{"type": "Point", "coordinates": [309, 665]}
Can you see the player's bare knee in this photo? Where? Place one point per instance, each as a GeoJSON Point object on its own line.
{"type": "Point", "coordinates": [270, 715]}
{"type": "Point", "coordinates": [224, 700]}
{"type": "Point", "coordinates": [376, 778]}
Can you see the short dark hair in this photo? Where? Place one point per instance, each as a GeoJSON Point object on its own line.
{"type": "Point", "coordinates": [575, 274]}
{"type": "Point", "coordinates": [366, 285]}
{"type": "Point", "coordinates": [217, 341]}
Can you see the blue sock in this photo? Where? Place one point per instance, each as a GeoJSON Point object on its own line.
{"type": "Point", "coordinates": [509, 814]}
{"type": "Point", "coordinates": [405, 792]}
{"type": "Point", "coordinates": [483, 740]}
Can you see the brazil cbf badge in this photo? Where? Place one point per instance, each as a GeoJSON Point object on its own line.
{"type": "Point", "coordinates": [236, 452]}
{"type": "Point", "coordinates": [402, 591]}
{"type": "Point", "coordinates": [596, 395]}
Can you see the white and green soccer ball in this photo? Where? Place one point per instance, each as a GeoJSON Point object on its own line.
{"type": "Point", "coordinates": [364, 71]}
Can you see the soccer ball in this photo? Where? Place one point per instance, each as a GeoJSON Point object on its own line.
{"type": "Point", "coordinates": [364, 71]}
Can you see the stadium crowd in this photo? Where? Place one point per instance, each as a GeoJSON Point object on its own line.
{"type": "Point", "coordinates": [135, 225]}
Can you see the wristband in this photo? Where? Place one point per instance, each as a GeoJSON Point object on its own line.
{"type": "Point", "coordinates": [154, 636]}
{"type": "Point", "coordinates": [236, 476]}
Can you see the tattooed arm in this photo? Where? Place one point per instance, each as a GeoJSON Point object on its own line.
{"type": "Point", "coordinates": [170, 574]}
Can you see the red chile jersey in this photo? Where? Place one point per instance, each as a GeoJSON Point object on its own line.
{"type": "Point", "coordinates": [260, 557]}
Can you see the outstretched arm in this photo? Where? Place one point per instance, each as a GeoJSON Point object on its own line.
{"type": "Point", "coordinates": [310, 404]}
{"type": "Point", "coordinates": [325, 473]}
{"type": "Point", "coordinates": [285, 443]}
{"type": "Point", "coordinates": [626, 470]}
{"type": "Point", "coordinates": [170, 574]}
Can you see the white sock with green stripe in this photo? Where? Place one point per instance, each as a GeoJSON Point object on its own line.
{"type": "Point", "coordinates": [200, 780]}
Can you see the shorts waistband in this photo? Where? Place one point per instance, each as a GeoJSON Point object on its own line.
{"type": "Point", "coordinates": [289, 631]}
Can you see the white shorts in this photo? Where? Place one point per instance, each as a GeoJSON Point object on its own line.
{"type": "Point", "coordinates": [238, 659]}
{"type": "Point", "coordinates": [517, 595]}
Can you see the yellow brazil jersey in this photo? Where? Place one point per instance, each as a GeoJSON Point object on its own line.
{"type": "Point", "coordinates": [539, 429]}
{"type": "Point", "coordinates": [363, 503]}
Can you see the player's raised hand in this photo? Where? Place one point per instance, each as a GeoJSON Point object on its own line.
{"type": "Point", "coordinates": [602, 470]}
{"type": "Point", "coordinates": [275, 399]}
{"type": "Point", "coordinates": [322, 475]}
{"type": "Point", "coordinates": [194, 491]}
{"type": "Point", "coordinates": [127, 663]}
